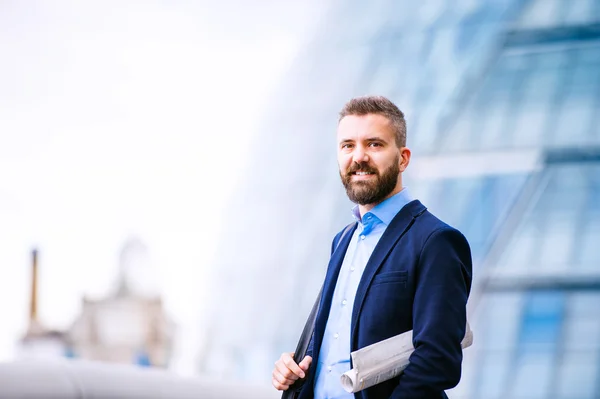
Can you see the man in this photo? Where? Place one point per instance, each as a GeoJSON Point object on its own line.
{"type": "Point", "coordinates": [398, 268]}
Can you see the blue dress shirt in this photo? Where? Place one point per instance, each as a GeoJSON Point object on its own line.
{"type": "Point", "coordinates": [334, 355]}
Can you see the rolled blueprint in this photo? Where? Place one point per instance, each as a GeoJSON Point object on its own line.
{"type": "Point", "coordinates": [384, 360]}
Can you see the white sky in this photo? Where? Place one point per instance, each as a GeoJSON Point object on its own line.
{"type": "Point", "coordinates": [127, 118]}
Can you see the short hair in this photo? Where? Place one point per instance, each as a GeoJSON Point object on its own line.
{"type": "Point", "coordinates": [381, 106]}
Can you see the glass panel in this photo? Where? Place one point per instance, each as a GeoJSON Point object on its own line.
{"type": "Point", "coordinates": [569, 180]}
{"type": "Point", "coordinates": [460, 193]}
{"type": "Point", "coordinates": [542, 319]}
{"type": "Point", "coordinates": [519, 94]}
{"type": "Point", "coordinates": [473, 205]}
{"type": "Point", "coordinates": [490, 201]}
{"type": "Point", "coordinates": [479, 219]}
{"type": "Point", "coordinates": [489, 109]}
{"type": "Point", "coordinates": [590, 55]}
{"type": "Point", "coordinates": [460, 137]}
{"type": "Point", "coordinates": [557, 245]}
{"type": "Point", "coordinates": [582, 327]}
{"type": "Point", "coordinates": [493, 375]}
{"type": "Point", "coordinates": [561, 231]}
{"type": "Point", "coordinates": [350, 29]}
{"type": "Point", "coordinates": [428, 12]}
{"type": "Point", "coordinates": [396, 14]}
{"type": "Point", "coordinates": [427, 191]}
{"type": "Point", "coordinates": [541, 322]}
{"type": "Point", "coordinates": [593, 206]}
{"type": "Point", "coordinates": [383, 81]}
{"type": "Point", "coordinates": [575, 116]}
{"type": "Point", "coordinates": [520, 254]}
{"type": "Point", "coordinates": [532, 375]}
{"type": "Point", "coordinates": [540, 14]}
{"type": "Point", "coordinates": [594, 136]}
{"type": "Point", "coordinates": [534, 107]}
{"type": "Point", "coordinates": [501, 321]}
{"type": "Point", "coordinates": [495, 112]}
{"type": "Point", "coordinates": [578, 375]}
{"type": "Point", "coordinates": [578, 11]}
{"type": "Point", "coordinates": [514, 103]}
{"type": "Point", "coordinates": [595, 15]}
{"type": "Point", "coordinates": [590, 250]}
{"type": "Point", "coordinates": [582, 333]}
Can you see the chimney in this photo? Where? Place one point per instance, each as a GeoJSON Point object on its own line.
{"type": "Point", "coordinates": [33, 309]}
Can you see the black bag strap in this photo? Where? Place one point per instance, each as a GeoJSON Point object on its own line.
{"type": "Point", "coordinates": [307, 332]}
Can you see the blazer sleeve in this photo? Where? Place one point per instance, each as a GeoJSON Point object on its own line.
{"type": "Point", "coordinates": [444, 275]}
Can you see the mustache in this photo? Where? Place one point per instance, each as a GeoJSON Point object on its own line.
{"type": "Point", "coordinates": [363, 167]}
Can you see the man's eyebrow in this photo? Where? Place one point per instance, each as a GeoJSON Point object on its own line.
{"type": "Point", "coordinates": [367, 139]}
{"type": "Point", "coordinates": [371, 139]}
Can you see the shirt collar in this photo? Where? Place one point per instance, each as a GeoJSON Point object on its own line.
{"type": "Point", "coordinates": [386, 210]}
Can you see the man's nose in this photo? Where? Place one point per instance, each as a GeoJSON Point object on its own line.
{"type": "Point", "coordinates": [360, 155]}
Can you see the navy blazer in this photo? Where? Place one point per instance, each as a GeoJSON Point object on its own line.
{"type": "Point", "coordinates": [418, 278]}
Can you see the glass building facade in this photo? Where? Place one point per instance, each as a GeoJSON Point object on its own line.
{"type": "Point", "coordinates": [502, 99]}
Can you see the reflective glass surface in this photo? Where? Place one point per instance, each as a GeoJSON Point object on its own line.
{"type": "Point", "coordinates": [476, 206]}
{"type": "Point", "coordinates": [560, 232]}
{"type": "Point", "coordinates": [543, 99]}
{"type": "Point", "coordinates": [465, 89]}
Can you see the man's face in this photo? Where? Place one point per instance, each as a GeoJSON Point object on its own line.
{"type": "Point", "coordinates": [370, 162]}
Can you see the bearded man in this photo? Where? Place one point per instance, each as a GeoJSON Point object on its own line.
{"type": "Point", "coordinates": [396, 268]}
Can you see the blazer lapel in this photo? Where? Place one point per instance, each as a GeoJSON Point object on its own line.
{"type": "Point", "coordinates": [399, 225]}
{"type": "Point", "coordinates": [333, 271]}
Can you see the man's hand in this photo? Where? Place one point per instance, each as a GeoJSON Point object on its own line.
{"type": "Point", "coordinates": [286, 371]}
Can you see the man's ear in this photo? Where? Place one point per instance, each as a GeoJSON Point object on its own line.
{"type": "Point", "coordinates": [404, 158]}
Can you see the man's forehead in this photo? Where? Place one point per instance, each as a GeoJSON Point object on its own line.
{"type": "Point", "coordinates": [353, 126]}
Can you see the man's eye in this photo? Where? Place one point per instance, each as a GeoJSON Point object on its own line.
{"type": "Point", "coordinates": [346, 146]}
{"type": "Point", "coordinates": [374, 144]}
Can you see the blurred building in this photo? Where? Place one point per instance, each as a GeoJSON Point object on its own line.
{"type": "Point", "coordinates": [130, 326]}
{"type": "Point", "coordinates": [38, 340]}
{"type": "Point", "coordinates": [502, 99]}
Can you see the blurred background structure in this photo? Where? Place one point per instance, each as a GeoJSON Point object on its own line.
{"type": "Point", "coordinates": [128, 327]}
{"type": "Point", "coordinates": [128, 119]}
{"type": "Point", "coordinates": [503, 107]}
{"type": "Point", "coordinates": [502, 99]}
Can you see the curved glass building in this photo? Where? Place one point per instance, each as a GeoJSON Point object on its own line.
{"type": "Point", "coordinates": [502, 99]}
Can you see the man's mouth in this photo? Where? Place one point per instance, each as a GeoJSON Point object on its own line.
{"type": "Point", "coordinates": [361, 174]}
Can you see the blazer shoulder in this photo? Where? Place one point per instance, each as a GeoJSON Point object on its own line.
{"type": "Point", "coordinates": [429, 225]}
{"type": "Point", "coordinates": [438, 237]}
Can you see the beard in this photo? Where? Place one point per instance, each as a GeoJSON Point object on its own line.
{"type": "Point", "coordinates": [374, 190]}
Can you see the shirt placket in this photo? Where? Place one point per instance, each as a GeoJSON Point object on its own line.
{"type": "Point", "coordinates": [342, 300]}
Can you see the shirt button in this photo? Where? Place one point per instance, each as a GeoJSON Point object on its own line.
{"type": "Point", "coordinates": [329, 369]}
{"type": "Point", "coordinates": [344, 302]}
{"type": "Point", "coordinates": [362, 237]}
{"type": "Point", "coordinates": [352, 269]}
{"type": "Point", "coordinates": [336, 335]}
